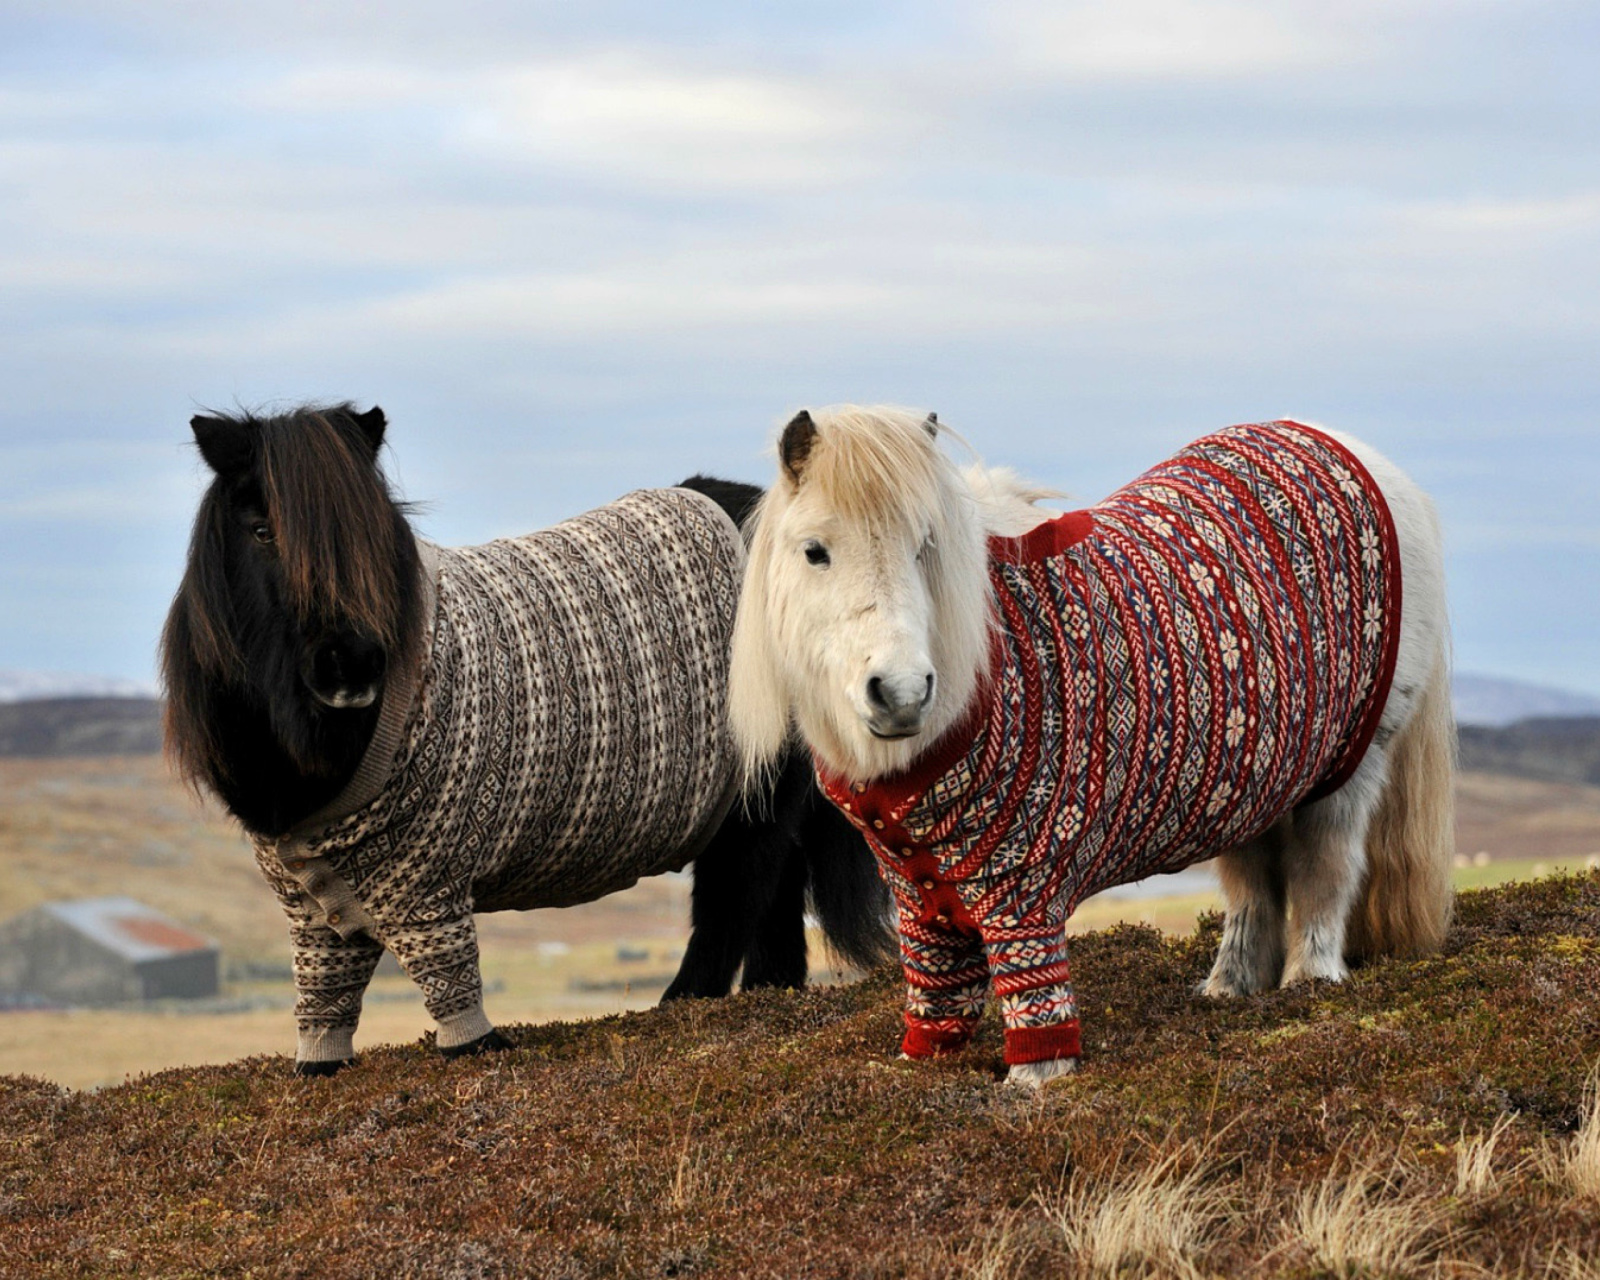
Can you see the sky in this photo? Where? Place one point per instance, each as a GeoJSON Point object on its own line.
{"type": "Point", "coordinates": [575, 249]}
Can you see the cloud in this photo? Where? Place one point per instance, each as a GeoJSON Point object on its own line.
{"type": "Point", "coordinates": [620, 114]}
{"type": "Point", "coordinates": [575, 247]}
{"type": "Point", "coordinates": [650, 120]}
{"type": "Point", "coordinates": [95, 483]}
{"type": "Point", "coordinates": [1167, 39]}
{"type": "Point", "coordinates": [1522, 219]}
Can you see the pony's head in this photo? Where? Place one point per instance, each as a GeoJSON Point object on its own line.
{"type": "Point", "coordinates": [298, 590]}
{"type": "Point", "coordinates": [865, 611]}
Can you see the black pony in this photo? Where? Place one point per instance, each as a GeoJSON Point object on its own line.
{"type": "Point", "coordinates": [303, 596]}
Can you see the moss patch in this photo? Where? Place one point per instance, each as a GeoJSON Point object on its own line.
{"type": "Point", "coordinates": [776, 1134]}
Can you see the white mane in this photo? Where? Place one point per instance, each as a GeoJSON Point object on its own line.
{"type": "Point", "coordinates": [877, 476]}
{"type": "Point", "coordinates": [1007, 502]}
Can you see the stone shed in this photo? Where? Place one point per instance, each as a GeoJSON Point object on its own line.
{"type": "Point", "coordinates": [100, 951]}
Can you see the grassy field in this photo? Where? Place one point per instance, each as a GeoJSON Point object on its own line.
{"type": "Point", "coordinates": [81, 828]}
{"type": "Point", "coordinates": [1428, 1119]}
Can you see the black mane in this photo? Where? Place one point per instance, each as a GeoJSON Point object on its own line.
{"type": "Point", "coordinates": [733, 496]}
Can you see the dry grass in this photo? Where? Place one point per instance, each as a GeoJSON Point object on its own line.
{"type": "Point", "coordinates": [694, 1180]}
{"type": "Point", "coordinates": [1564, 1264]}
{"type": "Point", "coordinates": [1363, 1222]}
{"type": "Point", "coordinates": [1476, 1174]}
{"type": "Point", "coordinates": [1575, 1164]}
{"type": "Point", "coordinates": [999, 1253]}
{"type": "Point", "coordinates": [1156, 1221]}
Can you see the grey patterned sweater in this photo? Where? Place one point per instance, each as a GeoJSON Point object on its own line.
{"type": "Point", "coordinates": [562, 735]}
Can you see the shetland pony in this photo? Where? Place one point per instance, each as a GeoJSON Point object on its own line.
{"type": "Point", "coordinates": [301, 601]}
{"type": "Point", "coordinates": [888, 613]}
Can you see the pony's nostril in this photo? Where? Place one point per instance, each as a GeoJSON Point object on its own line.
{"type": "Point", "coordinates": [899, 696]}
{"type": "Point", "coordinates": [346, 663]}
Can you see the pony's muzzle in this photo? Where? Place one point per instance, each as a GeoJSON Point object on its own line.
{"type": "Point", "coordinates": [346, 672]}
{"type": "Point", "coordinates": [896, 704]}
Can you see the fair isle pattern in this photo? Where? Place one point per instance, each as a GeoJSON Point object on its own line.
{"type": "Point", "coordinates": [1174, 669]}
{"type": "Point", "coordinates": [567, 737]}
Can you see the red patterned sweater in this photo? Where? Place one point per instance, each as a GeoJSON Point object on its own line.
{"type": "Point", "coordinates": [1173, 670]}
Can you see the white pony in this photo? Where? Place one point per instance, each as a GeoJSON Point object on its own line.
{"type": "Point", "coordinates": [1019, 709]}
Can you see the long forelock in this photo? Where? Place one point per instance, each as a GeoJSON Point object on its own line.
{"type": "Point", "coordinates": [879, 468]}
{"type": "Point", "coordinates": [338, 535]}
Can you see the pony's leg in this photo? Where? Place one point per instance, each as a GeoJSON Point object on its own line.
{"type": "Point", "coordinates": [1250, 957]}
{"type": "Point", "coordinates": [738, 878]}
{"type": "Point", "coordinates": [330, 975]}
{"type": "Point", "coordinates": [777, 953]}
{"type": "Point", "coordinates": [1324, 868]}
{"type": "Point", "coordinates": [442, 959]}
{"type": "Point", "coordinates": [718, 913]}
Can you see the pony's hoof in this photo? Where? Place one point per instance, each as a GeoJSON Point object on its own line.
{"type": "Point", "coordinates": [1230, 983]}
{"type": "Point", "coordinates": [1294, 975]}
{"type": "Point", "coordinates": [331, 1067]}
{"type": "Point", "coordinates": [1038, 1074]}
{"type": "Point", "coordinates": [492, 1042]}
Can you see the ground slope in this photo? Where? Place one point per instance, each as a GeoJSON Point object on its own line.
{"type": "Point", "coordinates": [776, 1135]}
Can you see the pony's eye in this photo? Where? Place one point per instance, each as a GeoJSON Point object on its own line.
{"type": "Point", "coordinates": [816, 553]}
{"type": "Point", "coordinates": [261, 531]}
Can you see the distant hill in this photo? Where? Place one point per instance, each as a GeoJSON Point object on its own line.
{"type": "Point", "coordinates": [19, 686]}
{"type": "Point", "coordinates": [80, 727]}
{"type": "Point", "coordinates": [1507, 726]}
{"type": "Point", "coordinates": [1563, 749]}
{"type": "Point", "coordinates": [1492, 700]}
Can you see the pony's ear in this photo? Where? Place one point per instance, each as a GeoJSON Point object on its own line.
{"type": "Point", "coordinates": [794, 447]}
{"type": "Point", "coordinates": [931, 425]}
{"type": "Point", "coordinates": [372, 424]}
{"type": "Point", "coordinates": [224, 443]}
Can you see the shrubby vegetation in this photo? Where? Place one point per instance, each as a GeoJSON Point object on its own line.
{"type": "Point", "coordinates": [1429, 1118]}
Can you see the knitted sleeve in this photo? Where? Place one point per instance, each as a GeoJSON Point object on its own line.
{"type": "Point", "coordinates": [441, 957]}
{"type": "Point", "coordinates": [330, 975]}
{"type": "Point", "coordinates": [331, 972]}
{"type": "Point", "coordinates": [946, 979]}
{"type": "Point", "coordinates": [1028, 963]}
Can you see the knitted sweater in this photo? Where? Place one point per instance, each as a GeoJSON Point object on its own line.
{"type": "Point", "coordinates": [563, 736]}
{"type": "Point", "coordinates": [1172, 671]}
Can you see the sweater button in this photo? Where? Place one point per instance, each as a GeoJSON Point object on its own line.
{"type": "Point", "coordinates": [877, 824]}
{"type": "Point", "coordinates": [905, 852]}
{"type": "Point", "coordinates": [927, 884]}
{"type": "Point", "coordinates": [299, 864]}
{"type": "Point", "coordinates": [334, 917]}
{"type": "Point", "coordinates": [941, 918]}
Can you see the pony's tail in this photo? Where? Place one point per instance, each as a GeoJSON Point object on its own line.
{"type": "Point", "coordinates": [1411, 841]}
{"type": "Point", "coordinates": [847, 895]}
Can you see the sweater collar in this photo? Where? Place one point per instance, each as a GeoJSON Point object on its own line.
{"type": "Point", "coordinates": [896, 794]}
{"type": "Point", "coordinates": [399, 694]}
